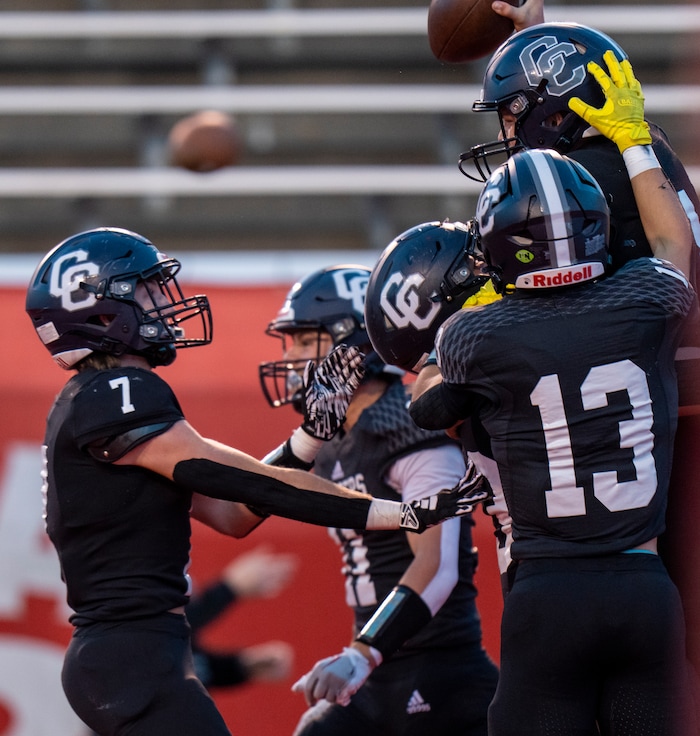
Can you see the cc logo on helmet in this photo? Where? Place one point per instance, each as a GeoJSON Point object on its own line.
{"type": "Point", "coordinates": [400, 301]}
{"type": "Point", "coordinates": [352, 285]}
{"type": "Point", "coordinates": [546, 58]}
{"type": "Point", "coordinates": [67, 273]}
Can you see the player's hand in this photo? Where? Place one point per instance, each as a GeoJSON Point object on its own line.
{"type": "Point", "coordinates": [335, 679]}
{"type": "Point", "coordinates": [328, 389]}
{"type": "Point", "coordinates": [621, 119]}
{"type": "Point", "coordinates": [418, 516]}
{"type": "Point", "coordinates": [530, 13]}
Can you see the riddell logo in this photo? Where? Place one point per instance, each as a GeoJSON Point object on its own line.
{"type": "Point", "coordinates": [559, 276]}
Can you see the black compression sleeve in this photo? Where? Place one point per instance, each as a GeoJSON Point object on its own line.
{"type": "Point", "coordinates": [430, 412]}
{"type": "Point", "coordinates": [270, 495]}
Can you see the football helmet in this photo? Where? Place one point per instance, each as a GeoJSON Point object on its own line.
{"type": "Point", "coordinates": [329, 301]}
{"type": "Point", "coordinates": [531, 77]}
{"type": "Point", "coordinates": [543, 222]}
{"type": "Point", "coordinates": [111, 290]}
{"type": "Point", "coordinates": [422, 277]}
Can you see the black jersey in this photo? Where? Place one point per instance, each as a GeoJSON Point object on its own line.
{"type": "Point", "coordinates": [122, 533]}
{"type": "Point", "coordinates": [577, 392]}
{"type": "Point", "coordinates": [601, 157]}
{"type": "Point", "coordinates": [374, 561]}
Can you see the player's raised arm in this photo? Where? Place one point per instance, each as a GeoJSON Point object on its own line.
{"type": "Point", "coordinates": [621, 119]}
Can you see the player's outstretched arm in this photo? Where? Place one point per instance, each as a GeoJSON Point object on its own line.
{"type": "Point", "coordinates": [621, 119]}
{"type": "Point", "coordinates": [209, 468]}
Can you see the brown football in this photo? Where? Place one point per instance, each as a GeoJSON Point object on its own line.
{"type": "Point", "coordinates": [204, 141]}
{"type": "Point", "coordinates": [465, 30]}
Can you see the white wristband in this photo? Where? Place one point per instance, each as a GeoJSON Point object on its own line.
{"type": "Point", "coordinates": [384, 514]}
{"type": "Point", "coordinates": [639, 159]}
{"type": "Point", "coordinates": [304, 446]}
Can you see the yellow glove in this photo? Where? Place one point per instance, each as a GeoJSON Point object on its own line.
{"type": "Point", "coordinates": [485, 295]}
{"type": "Point", "coordinates": [621, 119]}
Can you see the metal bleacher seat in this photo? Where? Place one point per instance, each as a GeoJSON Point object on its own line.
{"type": "Point", "coordinates": [351, 127]}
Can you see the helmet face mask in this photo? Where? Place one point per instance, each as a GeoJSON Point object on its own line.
{"type": "Point", "coordinates": [327, 308]}
{"type": "Point", "coordinates": [422, 277]}
{"type": "Point", "coordinates": [543, 223]}
{"type": "Point", "coordinates": [530, 79]}
{"type": "Point", "coordinates": [111, 291]}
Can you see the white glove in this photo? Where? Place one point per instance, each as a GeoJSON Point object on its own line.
{"type": "Point", "coordinates": [335, 679]}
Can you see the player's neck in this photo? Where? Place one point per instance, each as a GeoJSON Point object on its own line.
{"type": "Point", "coordinates": [369, 392]}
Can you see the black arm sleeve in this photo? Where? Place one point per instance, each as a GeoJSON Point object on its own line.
{"type": "Point", "coordinates": [270, 495]}
{"type": "Point", "coordinates": [219, 670]}
{"type": "Point", "coordinates": [430, 410]}
{"type": "Point", "coordinates": [209, 604]}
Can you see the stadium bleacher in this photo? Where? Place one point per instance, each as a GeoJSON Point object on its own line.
{"type": "Point", "coordinates": [351, 128]}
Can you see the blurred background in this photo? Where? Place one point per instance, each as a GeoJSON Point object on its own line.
{"type": "Point", "coordinates": [347, 132]}
{"type": "Point", "coordinates": [349, 128]}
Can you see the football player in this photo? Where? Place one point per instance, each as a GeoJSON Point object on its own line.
{"type": "Point", "coordinates": [415, 663]}
{"type": "Point", "coordinates": [572, 376]}
{"type": "Point", "coordinates": [529, 83]}
{"type": "Point", "coordinates": [124, 472]}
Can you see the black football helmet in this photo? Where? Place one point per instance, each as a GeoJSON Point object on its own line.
{"type": "Point", "coordinates": [82, 299]}
{"type": "Point", "coordinates": [543, 222]}
{"type": "Point", "coordinates": [330, 300]}
{"type": "Point", "coordinates": [532, 76]}
{"type": "Point", "coordinates": [422, 277]}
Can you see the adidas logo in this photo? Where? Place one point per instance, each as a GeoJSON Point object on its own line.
{"type": "Point", "coordinates": [416, 704]}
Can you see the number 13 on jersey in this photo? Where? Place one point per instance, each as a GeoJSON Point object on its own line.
{"type": "Point", "coordinates": [566, 498]}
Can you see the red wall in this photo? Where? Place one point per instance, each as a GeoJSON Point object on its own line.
{"type": "Point", "coordinates": [218, 388]}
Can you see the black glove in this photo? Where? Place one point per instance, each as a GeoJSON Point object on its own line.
{"type": "Point", "coordinates": [328, 389]}
{"type": "Point", "coordinates": [418, 516]}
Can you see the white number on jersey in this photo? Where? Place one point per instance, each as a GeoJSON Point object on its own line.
{"type": "Point", "coordinates": [565, 498]}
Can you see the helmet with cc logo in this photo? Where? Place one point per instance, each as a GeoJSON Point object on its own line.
{"type": "Point", "coordinates": [86, 296]}
{"type": "Point", "coordinates": [328, 301]}
{"type": "Point", "coordinates": [422, 277]}
{"type": "Point", "coordinates": [530, 79]}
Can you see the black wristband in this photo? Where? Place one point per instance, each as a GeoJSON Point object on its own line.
{"type": "Point", "coordinates": [285, 458]}
{"type": "Point", "coordinates": [402, 614]}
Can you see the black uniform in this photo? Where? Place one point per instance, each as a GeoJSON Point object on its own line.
{"type": "Point", "coordinates": [577, 392]}
{"type": "Point", "coordinates": [122, 535]}
{"type": "Point", "coordinates": [441, 680]}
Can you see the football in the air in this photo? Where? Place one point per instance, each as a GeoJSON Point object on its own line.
{"type": "Point", "coordinates": [465, 30]}
{"type": "Point", "coordinates": [204, 141]}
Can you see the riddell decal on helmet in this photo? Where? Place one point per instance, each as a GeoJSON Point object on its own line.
{"type": "Point", "coordinates": [65, 281]}
{"type": "Point", "coordinates": [553, 277]}
{"type": "Point", "coordinates": [401, 303]}
{"type": "Point", "coordinates": [551, 64]}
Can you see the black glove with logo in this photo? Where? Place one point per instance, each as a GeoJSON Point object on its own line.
{"type": "Point", "coordinates": [328, 389]}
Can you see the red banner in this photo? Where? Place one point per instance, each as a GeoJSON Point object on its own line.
{"type": "Point", "coordinates": [218, 388]}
